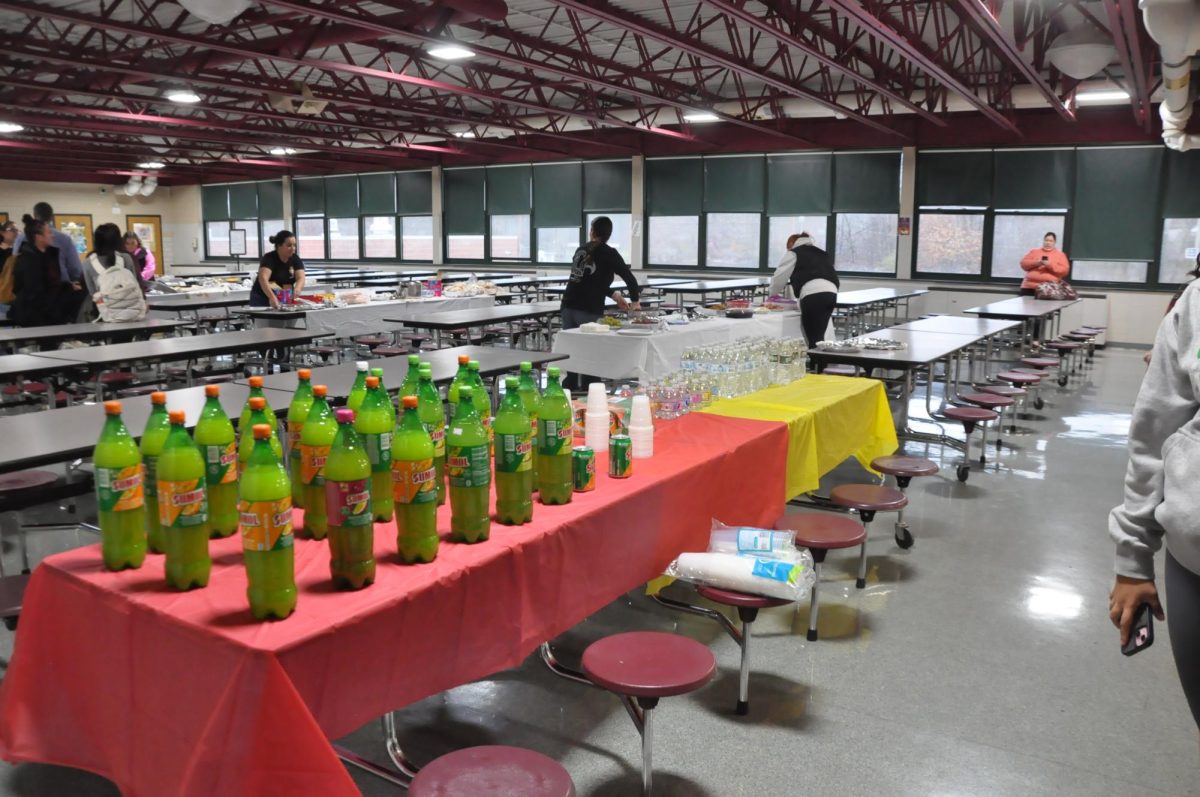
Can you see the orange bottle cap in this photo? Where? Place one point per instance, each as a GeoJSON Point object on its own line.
{"type": "Point", "coordinates": [255, 381]}
{"type": "Point", "coordinates": [258, 403]}
{"type": "Point", "coordinates": [463, 359]}
{"type": "Point", "coordinates": [410, 402]}
{"type": "Point", "coordinates": [304, 373]}
{"type": "Point", "coordinates": [176, 416]}
{"type": "Point", "coordinates": [212, 391]}
{"type": "Point", "coordinates": [372, 382]}
{"type": "Point", "coordinates": [112, 408]}
{"type": "Point", "coordinates": [158, 397]}
{"type": "Point", "coordinates": [262, 431]}
{"type": "Point", "coordinates": [320, 391]}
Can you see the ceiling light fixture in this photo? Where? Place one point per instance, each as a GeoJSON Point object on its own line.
{"type": "Point", "coordinates": [1105, 95]}
{"type": "Point", "coordinates": [283, 151]}
{"type": "Point", "coordinates": [183, 96]}
{"type": "Point", "coordinates": [152, 165]}
{"type": "Point", "coordinates": [701, 116]}
{"type": "Point", "coordinates": [465, 134]}
{"type": "Point", "coordinates": [450, 52]}
{"type": "Point", "coordinates": [11, 127]}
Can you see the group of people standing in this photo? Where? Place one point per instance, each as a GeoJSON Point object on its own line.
{"type": "Point", "coordinates": [44, 281]}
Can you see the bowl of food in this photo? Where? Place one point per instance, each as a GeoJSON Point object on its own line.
{"type": "Point", "coordinates": [739, 312]}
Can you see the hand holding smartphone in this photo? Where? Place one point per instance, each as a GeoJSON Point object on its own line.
{"type": "Point", "coordinates": [1141, 632]}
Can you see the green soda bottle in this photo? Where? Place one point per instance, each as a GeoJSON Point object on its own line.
{"type": "Point", "coordinates": [531, 397]}
{"type": "Point", "coordinates": [348, 507]}
{"type": "Point", "coordinates": [462, 377]}
{"type": "Point", "coordinates": [302, 401]}
{"type": "Point", "coordinates": [119, 493]}
{"type": "Point", "coordinates": [359, 389]}
{"type": "Point", "coordinates": [433, 416]}
{"type": "Point", "coordinates": [315, 441]}
{"type": "Point", "coordinates": [378, 374]}
{"type": "Point", "coordinates": [158, 426]}
{"type": "Point", "coordinates": [375, 423]}
{"type": "Point", "coordinates": [467, 462]}
{"type": "Point", "coordinates": [554, 443]}
{"type": "Point", "coordinates": [183, 508]}
{"type": "Point", "coordinates": [483, 402]}
{"type": "Point", "coordinates": [245, 421]}
{"type": "Point", "coordinates": [265, 512]}
{"type": "Point", "coordinates": [414, 491]}
{"type": "Point", "coordinates": [258, 414]}
{"type": "Point", "coordinates": [412, 380]}
{"type": "Point", "coordinates": [514, 459]}
{"type": "Point", "coordinates": [218, 445]}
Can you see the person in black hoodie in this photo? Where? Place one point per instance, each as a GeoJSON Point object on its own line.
{"type": "Point", "coordinates": [592, 271]}
{"type": "Point", "coordinates": [809, 270]}
{"type": "Point", "coordinates": [42, 297]}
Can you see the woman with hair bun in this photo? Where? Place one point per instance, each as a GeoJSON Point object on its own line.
{"type": "Point", "coordinates": [279, 270]}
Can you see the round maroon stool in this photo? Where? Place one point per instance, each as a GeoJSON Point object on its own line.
{"type": "Point", "coordinates": [494, 771]}
{"type": "Point", "coordinates": [969, 417]}
{"type": "Point", "coordinates": [643, 667]}
{"type": "Point", "coordinates": [372, 341]}
{"type": "Point", "coordinates": [990, 401]}
{"type": "Point", "coordinates": [821, 532]}
{"type": "Point", "coordinates": [905, 469]}
{"type": "Point", "coordinates": [747, 606]}
{"type": "Point", "coordinates": [1027, 382]}
{"type": "Point", "coordinates": [1066, 350]}
{"type": "Point", "coordinates": [389, 351]}
{"type": "Point", "coordinates": [866, 500]}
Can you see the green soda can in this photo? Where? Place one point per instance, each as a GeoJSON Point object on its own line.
{"type": "Point", "coordinates": [348, 507]}
{"type": "Point", "coordinates": [154, 437]}
{"type": "Point", "coordinates": [183, 508]}
{"type": "Point", "coordinates": [620, 456]}
{"type": "Point", "coordinates": [297, 413]}
{"type": "Point", "coordinates": [469, 467]}
{"type": "Point", "coordinates": [583, 468]}
{"type": "Point", "coordinates": [375, 422]}
{"type": "Point", "coordinates": [214, 434]}
{"type": "Point", "coordinates": [120, 497]}
{"type": "Point", "coordinates": [265, 514]}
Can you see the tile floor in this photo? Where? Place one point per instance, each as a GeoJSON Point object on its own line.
{"type": "Point", "coordinates": [981, 662]}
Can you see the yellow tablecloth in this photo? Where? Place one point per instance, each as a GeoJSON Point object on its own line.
{"type": "Point", "coordinates": [829, 418]}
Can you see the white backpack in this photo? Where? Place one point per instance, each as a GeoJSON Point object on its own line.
{"type": "Point", "coordinates": [118, 296]}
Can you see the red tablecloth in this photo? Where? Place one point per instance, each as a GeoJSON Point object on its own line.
{"type": "Point", "coordinates": [185, 694]}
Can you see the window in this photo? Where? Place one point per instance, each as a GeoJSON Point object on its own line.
{"type": "Point", "coordinates": [416, 238]}
{"type": "Point", "coordinates": [674, 240]}
{"type": "Point", "coordinates": [464, 247]}
{"type": "Point", "coordinates": [950, 243]}
{"type": "Point", "coordinates": [310, 235]}
{"type": "Point", "coordinates": [252, 243]}
{"type": "Point", "coordinates": [1013, 235]}
{"type": "Point", "coordinates": [343, 239]}
{"type": "Point", "coordinates": [510, 237]}
{"type": "Point", "coordinates": [732, 240]}
{"type": "Point", "coordinates": [780, 227]}
{"type": "Point", "coordinates": [1109, 271]}
{"type": "Point", "coordinates": [216, 235]}
{"type": "Point", "coordinates": [557, 244]}
{"type": "Point", "coordinates": [269, 228]}
{"type": "Point", "coordinates": [622, 234]}
{"type": "Point", "coordinates": [866, 242]}
{"type": "Point", "coordinates": [379, 236]}
{"type": "Point", "coordinates": [1180, 245]}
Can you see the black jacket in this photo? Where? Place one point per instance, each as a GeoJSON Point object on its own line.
{"type": "Point", "coordinates": [39, 288]}
{"type": "Point", "coordinates": [812, 263]}
{"type": "Point", "coordinates": [592, 271]}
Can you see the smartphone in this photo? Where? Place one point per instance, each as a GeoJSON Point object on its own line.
{"type": "Point", "coordinates": [1141, 633]}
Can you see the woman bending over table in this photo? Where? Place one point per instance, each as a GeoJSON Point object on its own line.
{"type": "Point", "coordinates": [808, 269]}
{"type": "Point", "coordinates": [280, 269]}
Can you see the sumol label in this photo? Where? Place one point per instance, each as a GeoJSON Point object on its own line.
{"type": "Point", "coordinates": [514, 453]}
{"type": "Point", "coordinates": [414, 481]}
{"type": "Point", "coordinates": [554, 437]}
{"type": "Point", "coordinates": [266, 525]}
{"type": "Point", "coordinates": [220, 463]}
{"type": "Point", "coordinates": [119, 489]}
{"type": "Point", "coordinates": [348, 504]}
{"type": "Point", "coordinates": [312, 464]}
{"type": "Point", "coordinates": [753, 540]}
{"type": "Point", "coordinates": [775, 570]}
{"type": "Point", "coordinates": [293, 438]}
{"type": "Point", "coordinates": [379, 451]}
{"type": "Point", "coordinates": [182, 504]}
{"type": "Point", "coordinates": [437, 433]}
{"type": "Point", "coordinates": [468, 466]}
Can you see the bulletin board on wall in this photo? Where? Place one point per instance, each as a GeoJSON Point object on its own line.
{"type": "Point", "coordinates": [149, 230]}
{"type": "Point", "coordinates": [79, 227]}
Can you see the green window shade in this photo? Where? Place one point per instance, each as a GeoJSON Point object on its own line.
{"type": "Point", "coordinates": [508, 190]}
{"type": "Point", "coordinates": [558, 195]}
{"type": "Point", "coordinates": [799, 185]}
{"type": "Point", "coordinates": [1116, 203]}
{"type": "Point", "coordinates": [608, 186]}
{"type": "Point", "coordinates": [462, 197]}
{"type": "Point", "coordinates": [214, 202]}
{"type": "Point", "coordinates": [270, 199]}
{"type": "Point", "coordinates": [1034, 179]}
{"type": "Point", "coordinates": [734, 185]}
{"type": "Point", "coordinates": [341, 197]}
{"type": "Point", "coordinates": [414, 193]}
{"type": "Point", "coordinates": [674, 187]}
{"type": "Point", "coordinates": [377, 194]}
{"type": "Point", "coordinates": [243, 201]}
{"type": "Point", "coordinates": [866, 182]}
{"type": "Point", "coordinates": [954, 178]}
{"type": "Point", "coordinates": [308, 197]}
{"type": "Point", "coordinates": [1181, 200]}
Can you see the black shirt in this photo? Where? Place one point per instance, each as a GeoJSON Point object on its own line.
{"type": "Point", "coordinates": [281, 274]}
{"type": "Point", "coordinates": [592, 272]}
{"type": "Point", "coordinates": [812, 263]}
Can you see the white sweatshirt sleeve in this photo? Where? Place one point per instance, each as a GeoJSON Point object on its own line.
{"type": "Point", "coordinates": [782, 278]}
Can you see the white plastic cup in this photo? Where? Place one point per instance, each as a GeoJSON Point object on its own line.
{"type": "Point", "coordinates": [642, 438]}
{"type": "Point", "coordinates": [595, 430]}
{"type": "Point", "coordinates": [597, 399]}
{"type": "Point", "coordinates": [640, 415]}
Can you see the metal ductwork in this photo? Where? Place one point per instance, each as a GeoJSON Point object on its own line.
{"type": "Point", "coordinates": [461, 12]}
{"type": "Point", "coordinates": [1175, 27]}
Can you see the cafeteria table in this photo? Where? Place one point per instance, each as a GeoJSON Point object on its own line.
{"type": "Point", "coordinates": [984, 328]}
{"type": "Point", "coordinates": [702, 288]}
{"type": "Point", "coordinates": [351, 320]}
{"type": "Point", "coordinates": [53, 334]}
{"type": "Point", "coordinates": [477, 317]}
{"type": "Point", "coordinates": [196, 303]}
{"type": "Point", "coordinates": [1027, 310]}
{"type": "Point", "coordinates": [186, 694]}
{"type": "Point", "coordinates": [18, 367]}
{"type": "Point", "coordinates": [868, 307]}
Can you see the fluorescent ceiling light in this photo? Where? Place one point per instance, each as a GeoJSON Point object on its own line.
{"type": "Point", "coordinates": [184, 96]}
{"type": "Point", "coordinates": [1108, 95]}
{"type": "Point", "coordinates": [11, 127]}
{"type": "Point", "coordinates": [450, 52]}
{"type": "Point", "coordinates": [283, 151]}
{"type": "Point", "coordinates": [152, 165]}
{"type": "Point", "coordinates": [465, 134]}
{"type": "Point", "coordinates": [701, 116]}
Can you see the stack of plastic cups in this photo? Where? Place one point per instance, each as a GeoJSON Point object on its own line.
{"type": "Point", "coordinates": [641, 428]}
{"type": "Point", "coordinates": [595, 425]}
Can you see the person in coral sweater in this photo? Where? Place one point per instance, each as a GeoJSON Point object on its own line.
{"type": "Point", "coordinates": [1044, 264]}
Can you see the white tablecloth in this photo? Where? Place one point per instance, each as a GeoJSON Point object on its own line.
{"type": "Point", "coordinates": [616, 356]}
{"type": "Point", "coordinates": [367, 319]}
